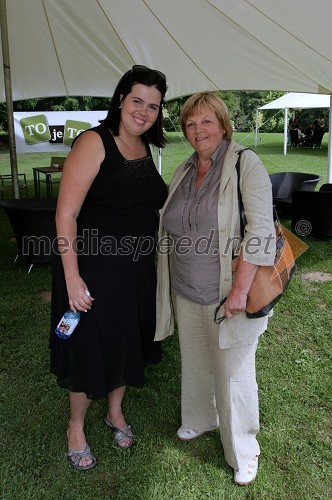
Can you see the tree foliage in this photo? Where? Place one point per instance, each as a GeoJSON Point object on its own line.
{"type": "Point", "coordinates": [242, 107]}
{"type": "Point", "coordinates": [55, 104]}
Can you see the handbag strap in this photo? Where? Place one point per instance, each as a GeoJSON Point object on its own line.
{"type": "Point", "coordinates": [243, 219]}
{"type": "Point", "coordinates": [243, 222]}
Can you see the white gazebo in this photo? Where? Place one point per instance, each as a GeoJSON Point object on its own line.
{"type": "Point", "coordinates": [298, 100]}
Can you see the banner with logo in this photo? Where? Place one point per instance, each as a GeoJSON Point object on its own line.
{"type": "Point", "coordinates": [52, 131]}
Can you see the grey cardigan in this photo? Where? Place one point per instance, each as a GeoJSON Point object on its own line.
{"type": "Point", "coordinates": [257, 199]}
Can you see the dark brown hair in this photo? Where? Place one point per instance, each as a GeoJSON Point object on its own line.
{"type": "Point", "coordinates": [146, 76]}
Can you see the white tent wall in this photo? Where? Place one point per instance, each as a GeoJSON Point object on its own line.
{"type": "Point", "coordinates": [299, 100]}
{"type": "Point", "coordinates": [83, 47]}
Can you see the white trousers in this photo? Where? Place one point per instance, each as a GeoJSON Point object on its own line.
{"type": "Point", "coordinates": [218, 386]}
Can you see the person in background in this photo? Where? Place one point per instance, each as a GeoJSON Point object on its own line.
{"type": "Point", "coordinates": [296, 126]}
{"type": "Point", "coordinates": [106, 220]}
{"type": "Point", "coordinates": [199, 234]}
{"type": "Point", "coordinates": [320, 122]}
{"type": "Point", "coordinates": [308, 133]}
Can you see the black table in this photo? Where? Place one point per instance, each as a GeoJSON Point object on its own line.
{"type": "Point", "coordinates": [33, 224]}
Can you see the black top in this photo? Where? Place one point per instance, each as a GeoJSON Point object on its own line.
{"type": "Point", "coordinates": [125, 195]}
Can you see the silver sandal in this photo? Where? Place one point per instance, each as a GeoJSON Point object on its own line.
{"type": "Point", "coordinates": [75, 457]}
{"type": "Point", "coordinates": [120, 434]}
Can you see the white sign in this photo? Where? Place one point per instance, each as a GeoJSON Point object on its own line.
{"type": "Point", "coordinates": [52, 131]}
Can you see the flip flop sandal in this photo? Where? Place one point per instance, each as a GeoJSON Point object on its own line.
{"type": "Point", "coordinates": [120, 434]}
{"type": "Point", "coordinates": [75, 457]}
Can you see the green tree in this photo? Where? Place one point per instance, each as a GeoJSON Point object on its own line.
{"type": "Point", "coordinates": [242, 107]}
{"type": "Point", "coordinates": [172, 114]}
{"type": "Point", "coordinates": [271, 120]}
{"type": "Point", "coordinates": [55, 104]}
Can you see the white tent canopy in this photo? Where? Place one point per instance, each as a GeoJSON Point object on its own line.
{"type": "Point", "coordinates": [82, 47]}
{"type": "Point", "coordinates": [298, 100]}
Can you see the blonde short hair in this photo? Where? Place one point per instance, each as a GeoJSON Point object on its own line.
{"type": "Point", "coordinates": [210, 100]}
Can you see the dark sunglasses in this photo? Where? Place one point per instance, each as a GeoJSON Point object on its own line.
{"type": "Point", "coordinates": [218, 318]}
{"type": "Point", "coordinates": [144, 69]}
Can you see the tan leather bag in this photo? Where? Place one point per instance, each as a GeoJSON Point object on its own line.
{"type": "Point", "coordinates": [270, 282]}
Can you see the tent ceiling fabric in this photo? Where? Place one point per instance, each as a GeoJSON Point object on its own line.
{"type": "Point", "coordinates": [82, 47]}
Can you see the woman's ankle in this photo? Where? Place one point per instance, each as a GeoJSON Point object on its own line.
{"type": "Point", "coordinates": [116, 418]}
{"type": "Point", "coordinates": [76, 436]}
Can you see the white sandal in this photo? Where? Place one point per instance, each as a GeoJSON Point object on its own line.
{"type": "Point", "coordinates": [187, 434]}
{"type": "Point", "coordinates": [248, 474]}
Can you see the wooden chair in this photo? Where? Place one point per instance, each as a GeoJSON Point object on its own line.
{"type": "Point", "coordinates": [58, 162]}
{"type": "Point", "coordinates": [6, 184]}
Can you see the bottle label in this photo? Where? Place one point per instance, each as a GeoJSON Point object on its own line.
{"type": "Point", "coordinates": [66, 327]}
{"type": "Point", "coordinates": [68, 322]}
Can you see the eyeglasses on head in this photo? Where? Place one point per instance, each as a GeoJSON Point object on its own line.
{"type": "Point", "coordinates": [139, 68]}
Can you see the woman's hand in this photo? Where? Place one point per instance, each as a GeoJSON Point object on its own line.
{"type": "Point", "coordinates": [235, 303]}
{"type": "Point", "coordinates": [78, 294]}
{"type": "Point", "coordinates": [237, 298]}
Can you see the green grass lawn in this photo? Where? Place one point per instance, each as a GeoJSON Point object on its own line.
{"type": "Point", "coordinates": [269, 149]}
{"type": "Point", "coordinates": [293, 370]}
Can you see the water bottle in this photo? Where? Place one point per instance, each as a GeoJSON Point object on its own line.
{"type": "Point", "coordinates": [68, 323]}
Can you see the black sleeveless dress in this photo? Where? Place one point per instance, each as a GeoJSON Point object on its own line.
{"type": "Point", "coordinates": [116, 231]}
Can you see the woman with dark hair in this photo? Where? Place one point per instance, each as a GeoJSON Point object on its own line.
{"type": "Point", "coordinates": [154, 134]}
{"type": "Point", "coordinates": [106, 220]}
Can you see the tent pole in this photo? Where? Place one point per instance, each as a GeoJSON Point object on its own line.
{"type": "Point", "coordinates": [256, 134]}
{"type": "Point", "coordinates": [159, 160]}
{"type": "Point", "coordinates": [285, 130]}
{"type": "Point", "coordinates": [9, 99]}
{"type": "Point", "coordinates": [329, 161]}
